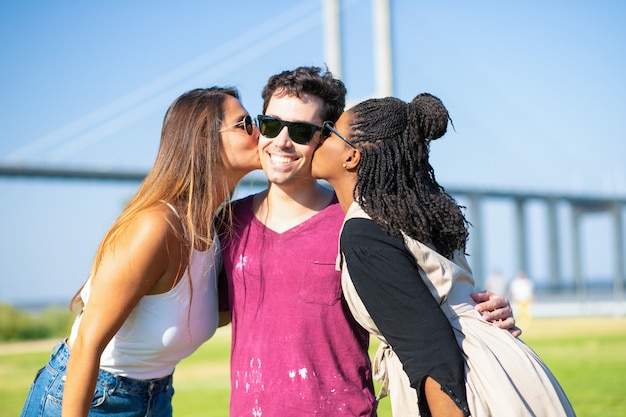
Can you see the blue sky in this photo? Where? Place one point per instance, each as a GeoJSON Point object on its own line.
{"type": "Point", "coordinates": [536, 90]}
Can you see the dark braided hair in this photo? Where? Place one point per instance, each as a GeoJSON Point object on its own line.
{"type": "Point", "coordinates": [396, 184]}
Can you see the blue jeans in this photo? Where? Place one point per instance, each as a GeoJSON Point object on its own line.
{"type": "Point", "coordinates": [117, 395]}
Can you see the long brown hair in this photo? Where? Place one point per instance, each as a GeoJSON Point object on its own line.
{"type": "Point", "coordinates": [188, 172]}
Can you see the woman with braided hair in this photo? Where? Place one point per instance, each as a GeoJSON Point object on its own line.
{"type": "Point", "coordinates": [402, 247]}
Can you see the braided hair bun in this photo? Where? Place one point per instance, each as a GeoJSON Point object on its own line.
{"type": "Point", "coordinates": [428, 116]}
{"type": "Point", "coordinates": [396, 183]}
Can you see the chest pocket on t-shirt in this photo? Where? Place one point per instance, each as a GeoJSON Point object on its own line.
{"type": "Point", "coordinates": [320, 283]}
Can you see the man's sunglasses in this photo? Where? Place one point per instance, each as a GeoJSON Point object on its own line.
{"type": "Point", "coordinates": [246, 124]}
{"type": "Point", "coordinates": [299, 132]}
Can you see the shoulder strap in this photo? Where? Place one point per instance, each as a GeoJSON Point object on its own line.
{"type": "Point", "coordinates": [182, 223]}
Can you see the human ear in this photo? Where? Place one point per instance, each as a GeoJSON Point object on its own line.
{"type": "Point", "coordinates": [353, 159]}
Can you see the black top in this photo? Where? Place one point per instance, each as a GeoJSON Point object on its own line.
{"type": "Point", "coordinates": [386, 278]}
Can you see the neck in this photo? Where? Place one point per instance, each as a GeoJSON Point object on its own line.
{"type": "Point", "coordinates": [282, 207]}
{"type": "Point", "coordinates": [233, 179]}
{"type": "Point", "coordinates": [344, 188]}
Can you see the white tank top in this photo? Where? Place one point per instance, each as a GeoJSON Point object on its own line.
{"type": "Point", "coordinates": [165, 328]}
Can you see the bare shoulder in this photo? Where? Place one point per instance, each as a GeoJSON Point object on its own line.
{"type": "Point", "coordinates": [157, 222]}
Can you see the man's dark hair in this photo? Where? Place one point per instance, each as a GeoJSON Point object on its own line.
{"type": "Point", "coordinates": [309, 80]}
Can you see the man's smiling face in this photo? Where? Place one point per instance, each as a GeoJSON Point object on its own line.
{"type": "Point", "coordinates": [284, 161]}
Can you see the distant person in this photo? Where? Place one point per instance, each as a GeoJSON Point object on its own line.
{"type": "Point", "coordinates": [296, 350]}
{"type": "Point", "coordinates": [151, 298]}
{"type": "Point", "coordinates": [522, 292]}
{"type": "Point", "coordinates": [496, 283]}
{"type": "Point", "coordinates": [401, 231]}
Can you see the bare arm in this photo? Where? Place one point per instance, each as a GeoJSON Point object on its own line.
{"type": "Point", "coordinates": [138, 262]}
{"type": "Point", "coordinates": [496, 309]}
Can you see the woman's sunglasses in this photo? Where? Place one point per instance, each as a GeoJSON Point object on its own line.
{"type": "Point", "coordinates": [299, 132]}
{"type": "Point", "coordinates": [329, 127]}
{"type": "Point", "coordinates": [246, 124]}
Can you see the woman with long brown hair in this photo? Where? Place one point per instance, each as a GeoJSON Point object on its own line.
{"type": "Point", "coordinates": [151, 298]}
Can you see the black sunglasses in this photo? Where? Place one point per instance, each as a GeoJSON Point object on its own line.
{"type": "Point", "coordinates": [329, 127]}
{"type": "Point", "coordinates": [246, 124]}
{"type": "Point", "coordinates": [299, 132]}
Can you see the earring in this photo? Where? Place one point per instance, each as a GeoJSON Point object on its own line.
{"type": "Point", "coordinates": [344, 166]}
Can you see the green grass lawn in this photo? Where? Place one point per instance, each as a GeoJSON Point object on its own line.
{"type": "Point", "coordinates": [587, 355]}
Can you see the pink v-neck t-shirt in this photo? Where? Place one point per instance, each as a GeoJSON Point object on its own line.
{"type": "Point", "coordinates": [296, 350]}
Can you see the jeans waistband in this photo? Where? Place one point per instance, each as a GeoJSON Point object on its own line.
{"type": "Point", "coordinates": [61, 353]}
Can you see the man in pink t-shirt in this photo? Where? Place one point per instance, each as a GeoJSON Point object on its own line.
{"type": "Point", "coordinates": [296, 350]}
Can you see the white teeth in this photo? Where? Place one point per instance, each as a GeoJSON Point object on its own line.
{"type": "Point", "coordinates": [280, 159]}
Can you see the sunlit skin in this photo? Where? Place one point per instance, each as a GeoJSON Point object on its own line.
{"type": "Point", "coordinates": [293, 194]}
{"type": "Point", "coordinates": [329, 160]}
{"type": "Point", "coordinates": [328, 164]}
{"type": "Point", "coordinates": [239, 150]}
{"type": "Point", "coordinates": [147, 259]}
{"type": "Point", "coordinates": [284, 161]}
